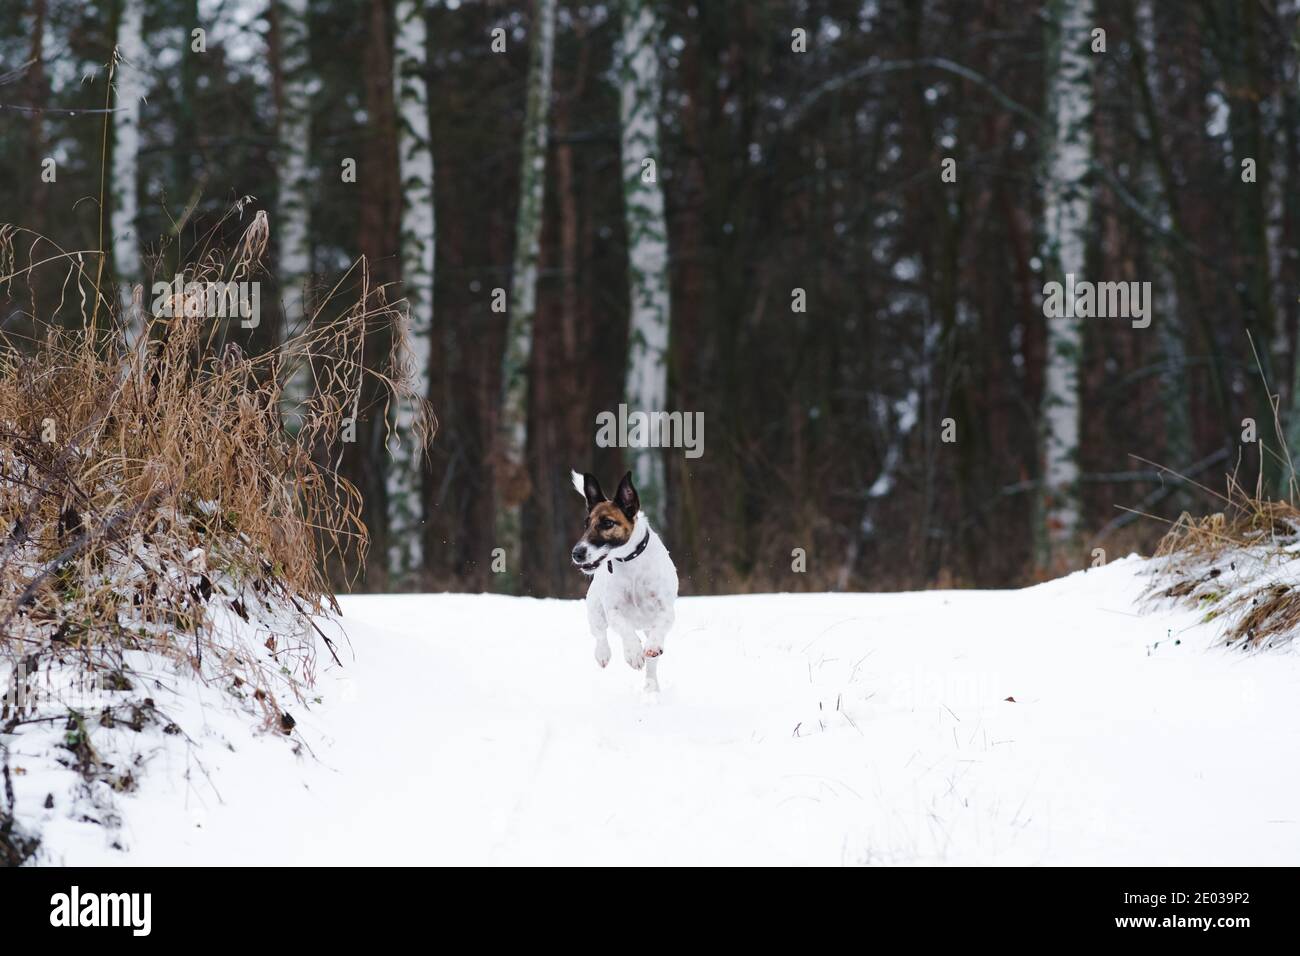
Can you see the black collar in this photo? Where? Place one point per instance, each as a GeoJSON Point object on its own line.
{"type": "Point", "coordinates": [635, 552]}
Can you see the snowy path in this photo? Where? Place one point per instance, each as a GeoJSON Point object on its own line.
{"type": "Point", "coordinates": [817, 729]}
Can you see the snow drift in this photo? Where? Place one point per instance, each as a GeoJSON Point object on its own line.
{"type": "Point", "coordinates": [1053, 725]}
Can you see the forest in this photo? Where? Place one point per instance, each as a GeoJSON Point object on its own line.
{"type": "Point", "coordinates": [967, 292]}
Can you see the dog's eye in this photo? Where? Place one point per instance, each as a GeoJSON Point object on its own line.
{"type": "Point", "coordinates": [606, 524]}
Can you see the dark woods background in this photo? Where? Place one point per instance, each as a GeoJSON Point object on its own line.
{"type": "Point", "coordinates": [818, 171]}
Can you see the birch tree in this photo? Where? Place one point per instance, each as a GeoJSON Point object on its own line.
{"type": "Point", "coordinates": [1066, 210]}
{"type": "Point", "coordinates": [293, 128]}
{"type": "Point", "coordinates": [647, 232]}
{"type": "Point", "coordinates": [512, 424]}
{"type": "Point", "coordinates": [129, 79]}
{"type": "Point", "coordinates": [415, 174]}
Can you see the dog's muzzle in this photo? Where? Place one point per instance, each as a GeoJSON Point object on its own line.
{"type": "Point", "coordinates": [579, 556]}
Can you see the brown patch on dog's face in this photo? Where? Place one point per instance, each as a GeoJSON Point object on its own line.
{"type": "Point", "coordinates": [607, 526]}
{"type": "Point", "coordinates": [605, 529]}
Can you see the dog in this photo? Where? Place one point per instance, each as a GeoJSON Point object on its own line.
{"type": "Point", "coordinates": [633, 580]}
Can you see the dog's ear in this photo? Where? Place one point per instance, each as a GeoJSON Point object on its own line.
{"type": "Point", "coordinates": [626, 497]}
{"type": "Point", "coordinates": [588, 487]}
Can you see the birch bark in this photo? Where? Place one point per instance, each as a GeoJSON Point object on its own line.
{"type": "Point", "coordinates": [415, 175]}
{"type": "Point", "coordinates": [646, 386]}
{"type": "Point", "coordinates": [129, 77]}
{"type": "Point", "coordinates": [1066, 204]}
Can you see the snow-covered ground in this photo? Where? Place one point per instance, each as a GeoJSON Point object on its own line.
{"type": "Point", "coordinates": [1054, 725]}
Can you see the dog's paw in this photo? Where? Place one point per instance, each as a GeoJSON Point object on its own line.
{"type": "Point", "coordinates": [652, 651]}
{"type": "Point", "coordinates": [632, 654]}
{"type": "Point", "coordinates": [602, 654]}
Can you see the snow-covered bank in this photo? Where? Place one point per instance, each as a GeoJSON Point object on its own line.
{"type": "Point", "coordinates": [817, 729]}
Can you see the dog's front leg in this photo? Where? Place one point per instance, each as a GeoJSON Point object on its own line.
{"type": "Point", "coordinates": [596, 621]}
{"type": "Point", "coordinates": [631, 644]}
{"type": "Point", "coordinates": [602, 650]}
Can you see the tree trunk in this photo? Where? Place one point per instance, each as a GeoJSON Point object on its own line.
{"type": "Point", "coordinates": [38, 95]}
{"type": "Point", "coordinates": [511, 474]}
{"type": "Point", "coordinates": [129, 79]}
{"type": "Point", "coordinates": [647, 240]}
{"type": "Point", "coordinates": [378, 218]}
{"type": "Point", "coordinates": [406, 504]}
{"type": "Point", "coordinates": [1173, 379]}
{"type": "Point", "coordinates": [187, 148]}
{"type": "Point", "coordinates": [1066, 208]}
{"type": "Point", "coordinates": [1289, 15]}
{"type": "Point", "coordinates": [293, 208]}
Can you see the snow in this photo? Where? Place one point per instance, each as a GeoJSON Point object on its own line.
{"type": "Point", "coordinates": [791, 729]}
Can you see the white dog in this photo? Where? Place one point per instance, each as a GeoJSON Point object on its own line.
{"type": "Point", "coordinates": [633, 581]}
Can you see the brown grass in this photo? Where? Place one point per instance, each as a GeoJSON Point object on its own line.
{"type": "Point", "coordinates": [147, 495]}
{"type": "Point", "coordinates": [1227, 565]}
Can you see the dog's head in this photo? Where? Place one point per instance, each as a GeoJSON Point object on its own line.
{"type": "Point", "coordinates": [609, 524]}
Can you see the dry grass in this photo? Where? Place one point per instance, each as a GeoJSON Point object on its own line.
{"type": "Point", "coordinates": [151, 496]}
{"type": "Point", "coordinates": [1237, 566]}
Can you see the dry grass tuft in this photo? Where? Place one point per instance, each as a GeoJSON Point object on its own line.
{"type": "Point", "coordinates": [1238, 566]}
{"type": "Point", "coordinates": [151, 497]}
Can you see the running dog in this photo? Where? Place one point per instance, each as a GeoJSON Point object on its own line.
{"type": "Point", "coordinates": [633, 581]}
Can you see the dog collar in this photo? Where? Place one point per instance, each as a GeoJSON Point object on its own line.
{"type": "Point", "coordinates": [639, 548]}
